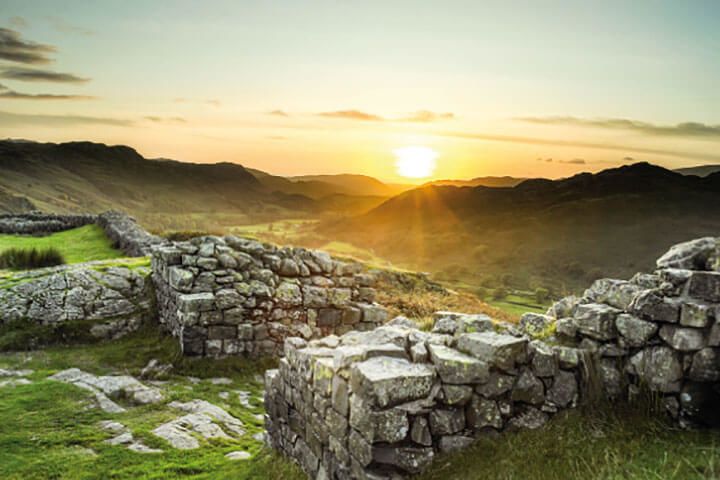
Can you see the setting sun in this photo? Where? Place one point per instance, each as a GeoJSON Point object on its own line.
{"type": "Point", "coordinates": [415, 162]}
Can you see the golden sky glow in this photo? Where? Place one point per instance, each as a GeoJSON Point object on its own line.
{"type": "Point", "coordinates": [338, 87]}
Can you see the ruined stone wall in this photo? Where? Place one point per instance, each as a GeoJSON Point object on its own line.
{"type": "Point", "coordinates": [231, 296]}
{"type": "Point", "coordinates": [385, 403]}
{"type": "Point", "coordinates": [104, 299]}
{"type": "Point", "coordinates": [120, 228]}
{"type": "Point", "coordinates": [658, 331]}
{"type": "Point", "coordinates": [36, 223]}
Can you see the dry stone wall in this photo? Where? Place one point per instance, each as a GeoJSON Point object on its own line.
{"type": "Point", "coordinates": [234, 296]}
{"type": "Point", "coordinates": [385, 403]}
{"type": "Point", "coordinates": [42, 223]}
{"type": "Point", "coordinates": [659, 331]}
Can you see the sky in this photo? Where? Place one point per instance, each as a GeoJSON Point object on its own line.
{"type": "Point", "coordinates": [522, 88]}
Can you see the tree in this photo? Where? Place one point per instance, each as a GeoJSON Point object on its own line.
{"type": "Point", "coordinates": [542, 295]}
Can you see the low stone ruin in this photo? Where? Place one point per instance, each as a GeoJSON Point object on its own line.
{"type": "Point", "coordinates": [121, 229]}
{"type": "Point", "coordinates": [384, 403]}
{"type": "Point", "coordinates": [659, 331]}
{"type": "Point", "coordinates": [108, 299]}
{"type": "Point", "coordinates": [230, 296]}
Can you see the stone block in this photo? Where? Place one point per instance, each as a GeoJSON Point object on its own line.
{"type": "Point", "coordinates": [457, 368]}
{"type": "Point", "coordinates": [596, 320]}
{"type": "Point", "coordinates": [496, 349]}
{"type": "Point", "coordinates": [391, 381]}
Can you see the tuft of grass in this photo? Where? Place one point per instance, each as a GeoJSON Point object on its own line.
{"type": "Point", "coordinates": [30, 258]}
{"type": "Point", "coordinates": [81, 244]}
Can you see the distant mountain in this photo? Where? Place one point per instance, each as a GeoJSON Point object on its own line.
{"type": "Point", "coordinates": [499, 182]}
{"type": "Point", "coordinates": [350, 184]}
{"type": "Point", "coordinates": [84, 176]}
{"type": "Point", "coordinates": [611, 223]}
{"type": "Point", "coordinates": [700, 170]}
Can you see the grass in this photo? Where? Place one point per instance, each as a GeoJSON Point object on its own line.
{"type": "Point", "coordinates": [46, 431]}
{"type": "Point", "coordinates": [30, 258]}
{"type": "Point", "coordinates": [610, 442]}
{"type": "Point", "coordinates": [81, 244]}
{"type": "Point", "coordinates": [516, 304]}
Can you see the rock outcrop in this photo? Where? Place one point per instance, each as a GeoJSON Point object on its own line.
{"type": "Point", "coordinates": [385, 403]}
{"type": "Point", "coordinates": [105, 299]}
{"type": "Point", "coordinates": [234, 296]}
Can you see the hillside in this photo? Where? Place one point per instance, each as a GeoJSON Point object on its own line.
{"type": "Point", "coordinates": [552, 233]}
{"type": "Point", "coordinates": [91, 177]}
{"type": "Point", "coordinates": [700, 170]}
{"type": "Point", "coordinates": [349, 184]}
{"type": "Point", "coordinates": [480, 182]}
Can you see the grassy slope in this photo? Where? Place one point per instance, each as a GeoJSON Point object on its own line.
{"type": "Point", "coordinates": [77, 245]}
{"type": "Point", "coordinates": [46, 431]}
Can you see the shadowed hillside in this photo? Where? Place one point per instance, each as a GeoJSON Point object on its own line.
{"type": "Point", "coordinates": [561, 233]}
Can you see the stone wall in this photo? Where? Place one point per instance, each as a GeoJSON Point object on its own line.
{"type": "Point", "coordinates": [231, 296]}
{"type": "Point", "coordinates": [658, 331]}
{"type": "Point", "coordinates": [37, 223]}
{"type": "Point", "coordinates": [104, 298]}
{"type": "Point", "coordinates": [122, 229]}
{"type": "Point", "coordinates": [385, 403]}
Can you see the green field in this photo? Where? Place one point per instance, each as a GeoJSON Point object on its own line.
{"type": "Point", "coordinates": [517, 304]}
{"type": "Point", "coordinates": [81, 244]}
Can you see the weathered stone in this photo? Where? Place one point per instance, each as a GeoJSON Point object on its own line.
{"type": "Point", "coordinates": [658, 367]}
{"type": "Point", "coordinates": [530, 418]}
{"type": "Point", "coordinates": [288, 294]}
{"type": "Point", "coordinates": [535, 324]}
{"type": "Point", "coordinates": [616, 293]}
{"type": "Point", "coordinates": [596, 320]}
{"type": "Point", "coordinates": [499, 350]}
{"type": "Point", "coordinates": [544, 361]}
{"type": "Point", "coordinates": [409, 459]}
{"type": "Point", "coordinates": [447, 422]}
{"type": "Point", "coordinates": [705, 365]}
{"type": "Point", "coordinates": [482, 413]}
{"type": "Point", "coordinates": [390, 381]}
{"type": "Point", "coordinates": [390, 425]}
{"type": "Point", "coordinates": [695, 314]}
{"type": "Point", "coordinates": [457, 368]}
{"type": "Point", "coordinates": [650, 305]}
{"type": "Point", "coordinates": [456, 394]}
{"type": "Point", "coordinates": [635, 331]}
{"type": "Point", "coordinates": [497, 385]}
{"type": "Point", "coordinates": [564, 389]}
{"type": "Point", "coordinates": [692, 255]}
{"type": "Point", "coordinates": [528, 389]}
{"type": "Point", "coordinates": [420, 432]}
{"type": "Point", "coordinates": [683, 339]}
{"type": "Point", "coordinates": [610, 377]}
{"type": "Point", "coordinates": [454, 443]}
{"type": "Point", "coordinates": [564, 308]}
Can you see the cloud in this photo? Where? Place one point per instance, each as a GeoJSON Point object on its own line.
{"type": "Point", "coordinates": [18, 22]}
{"type": "Point", "coordinates": [574, 161]}
{"type": "Point", "coordinates": [156, 119]}
{"type": "Point", "coordinates": [425, 116]}
{"type": "Point", "coordinates": [278, 113]}
{"type": "Point", "coordinates": [352, 115]}
{"type": "Point", "coordinates": [8, 119]}
{"type": "Point", "coordinates": [685, 129]}
{"type": "Point", "coordinates": [33, 75]}
{"type": "Point", "coordinates": [15, 49]}
{"type": "Point", "coordinates": [629, 159]}
{"type": "Point", "coordinates": [62, 26]}
{"type": "Point", "coordinates": [578, 144]}
{"type": "Point", "coordinates": [208, 101]}
{"type": "Point", "coordinates": [7, 93]}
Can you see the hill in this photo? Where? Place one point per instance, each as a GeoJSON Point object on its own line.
{"type": "Point", "coordinates": [92, 177]}
{"type": "Point", "coordinates": [559, 233]}
{"type": "Point", "coordinates": [700, 170]}
{"type": "Point", "coordinates": [350, 184]}
{"type": "Point", "coordinates": [480, 182]}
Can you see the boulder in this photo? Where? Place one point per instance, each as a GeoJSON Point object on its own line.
{"type": "Point", "coordinates": [658, 367]}
{"type": "Point", "coordinates": [635, 332]}
{"type": "Point", "coordinates": [596, 320]}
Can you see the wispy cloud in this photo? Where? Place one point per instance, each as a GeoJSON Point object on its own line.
{"type": "Point", "coordinates": [421, 116]}
{"type": "Point", "coordinates": [685, 129]}
{"type": "Point", "coordinates": [278, 113]}
{"type": "Point", "coordinates": [424, 116]}
{"type": "Point", "coordinates": [156, 119]}
{"type": "Point", "coordinates": [8, 119]}
{"type": "Point", "coordinates": [352, 115]}
{"type": "Point", "coordinates": [207, 101]}
{"type": "Point", "coordinates": [574, 161]}
{"type": "Point", "coordinates": [578, 144]}
{"type": "Point", "coordinates": [10, 94]}
{"type": "Point", "coordinates": [62, 26]}
{"type": "Point", "coordinates": [15, 49]}
{"type": "Point", "coordinates": [34, 75]}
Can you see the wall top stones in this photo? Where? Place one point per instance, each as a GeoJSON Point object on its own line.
{"type": "Point", "coordinates": [229, 295]}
